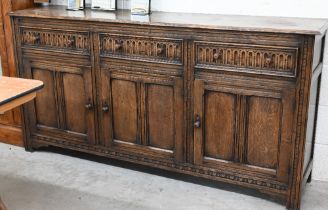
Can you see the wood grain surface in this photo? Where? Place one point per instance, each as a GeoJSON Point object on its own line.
{"type": "Point", "coordinates": [189, 20]}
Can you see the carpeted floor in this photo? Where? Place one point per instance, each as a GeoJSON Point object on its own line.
{"type": "Point", "coordinates": [50, 181]}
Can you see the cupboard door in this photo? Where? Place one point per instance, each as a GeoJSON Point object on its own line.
{"type": "Point", "coordinates": [245, 129]}
{"type": "Point", "coordinates": [215, 114]}
{"type": "Point", "coordinates": [143, 114]}
{"type": "Point", "coordinates": [65, 106]}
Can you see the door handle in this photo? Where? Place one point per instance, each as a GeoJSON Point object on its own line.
{"type": "Point", "coordinates": [89, 105]}
{"type": "Point", "coordinates": [105, 108]}
{"type": "Point", "coordinates": [197, 122]}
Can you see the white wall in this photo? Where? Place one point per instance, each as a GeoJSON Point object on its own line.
{"type": "Point", "coordinates": [288, 8]}
{"type": "Point", "coordinates": [297, 8]}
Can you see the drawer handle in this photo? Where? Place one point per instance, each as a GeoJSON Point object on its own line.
{"type": "Point", "coordinates": [216, 56]}
{"type": "Point", "coordinates": [105, 108]}
{"type": "Point", "coordinates": [160, 49]}
{"type": "Point", "coordinates": [118, 46]}
{"type": "Point", "coordinates": [35, 38]}
{"type": "Point", "coordinates": [70, 42]}
{"type": "Point", "coordinates": [88, 106]}
{"type": "Point", "coordinates": [197, 123]}
{"type": "Point", "coordinates": [268, 61]}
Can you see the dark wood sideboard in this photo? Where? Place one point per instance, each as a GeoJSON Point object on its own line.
{"type": "Point", "coordinates": [227, 98]}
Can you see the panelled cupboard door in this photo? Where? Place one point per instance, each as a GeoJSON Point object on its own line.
{"type": "Point", "coordinates": [143, 114]}
{"type": "Point", "coordinates": [64, 108]}
{"type": "Point", "coordinates": [250, 130]}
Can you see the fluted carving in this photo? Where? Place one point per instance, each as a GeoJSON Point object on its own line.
{"type": "Point", "coordinates": [141, 48]}
{"type": "Point", "coordinates": [266, 58]}
{"type": "Point", "coordinates": [57, 40]}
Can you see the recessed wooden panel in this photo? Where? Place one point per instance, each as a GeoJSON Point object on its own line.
{"type": "Point", "coordinates": [125, 111]}
{"type": "Point", "coordinates": [74, 95]}
{"type": "Point", "coordinates": [263, 131]}
{"type": "Point", "coordinates": [219, 129]}
{"type": "Point", "coordinates": [160, 111]}
{"type": "Point", "coordinates": [45, 102]}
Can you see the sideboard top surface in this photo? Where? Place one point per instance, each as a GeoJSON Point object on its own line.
{"type": "Point", "coordinates": [188, 20]}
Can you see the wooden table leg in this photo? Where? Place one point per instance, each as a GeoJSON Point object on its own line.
{"type": "Point", "coordinates": [2, 205]}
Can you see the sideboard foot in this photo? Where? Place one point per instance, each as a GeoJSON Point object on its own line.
{"type": "Point", "coordinates": [309, 180]}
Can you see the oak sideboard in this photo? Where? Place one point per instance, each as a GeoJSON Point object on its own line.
{"type": "Point", "coordinates": [226, 98]}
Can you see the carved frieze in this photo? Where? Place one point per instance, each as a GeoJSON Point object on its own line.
{"type": "Point", "coordinates": [56, 40]}
{"type": "Point", "coordinates": [220, 174]}
{"type": "Point", "coordinates": [260, 59]}
{"type": "Point", "coordinates": [141, 48]}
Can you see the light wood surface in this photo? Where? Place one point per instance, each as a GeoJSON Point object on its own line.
{"type": "Point", "coordinates": [16, 91]}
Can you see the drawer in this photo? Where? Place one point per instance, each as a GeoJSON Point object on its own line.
{"type": "Point", "coordinates": [159, 50]}
{"type": "Point", "coordinates": [267, 60]}
{"type": "Point", "coordinates": [68, 41]}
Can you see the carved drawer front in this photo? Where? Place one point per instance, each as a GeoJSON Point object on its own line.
{"type": "Point", "coordinates": [141, 48]}
{"type": "Point", "coordinates": [69, 41]}
{"type": "Point", "coordinates": [268, 60]}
